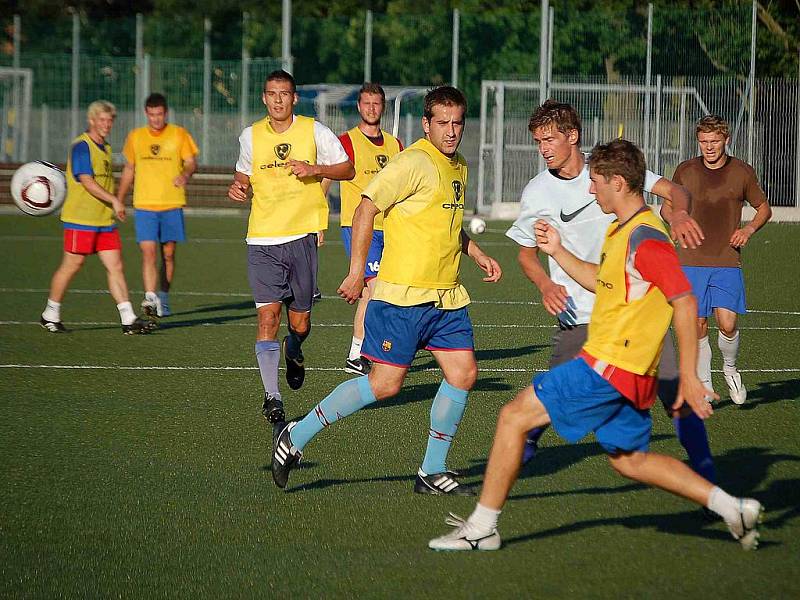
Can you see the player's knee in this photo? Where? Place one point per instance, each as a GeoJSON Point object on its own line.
{"type": "Point", "coordinates": [464, 379]}
{"type": "Point", "coordinates": [268, 319]}
{"type": "Point", "coordinates": [385, 388]}
{"type": "Point", "coordinates": [727, 329]}
{"type": "Point", "coordinates": [512, 416]}
{"type": "Point", "coordinates": [625, 463]}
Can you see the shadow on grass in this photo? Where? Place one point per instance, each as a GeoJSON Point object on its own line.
{"type": "Point", "coordinates": [771, 391]}
{"type": "Point", "coordinates": [487, 354]}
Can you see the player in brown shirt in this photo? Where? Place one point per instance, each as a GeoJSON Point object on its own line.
{"type": "Point", "coordinates": [720, 184]}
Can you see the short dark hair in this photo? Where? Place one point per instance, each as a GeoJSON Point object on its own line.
{"type": "Point", "coordinates": [154, 100]}
{"type": "Point", "coordinates": [372, 88]}
{"type": "Point", "coordinates": [444, 95]}
{"type": "Point", "coordinates": [560, 115]}
{"type": "Point", "coordinates": [620, 157]}
{"type": "Point", "coordinates": [280, 75]}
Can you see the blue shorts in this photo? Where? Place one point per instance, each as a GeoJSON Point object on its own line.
{"type": "Point", "coordinates": [373, 256]}
{"type": "Point", "coordinates": [578, 401]}
{"type": "Point", "coordinates": [717, 287]}
{"type": "Point", "coordinates": [393, 334]}
{"type": "Point", "coordinates": [160, 225]}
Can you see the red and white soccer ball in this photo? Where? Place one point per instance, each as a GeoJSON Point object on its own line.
{"type": "Point", "coordinates": [38, 188]}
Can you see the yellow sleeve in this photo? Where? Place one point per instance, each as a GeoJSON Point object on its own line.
{"type": "Point", "coordinates": [128, 151]}
{"type": "Point", "coordinates": [406, 174]}
{"type": "Point", "coordinates": [188, 147]}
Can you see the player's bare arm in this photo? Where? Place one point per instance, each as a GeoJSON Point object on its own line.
{"type": "Point", "coordinates": [238, 189]}
{"type": "Point", "coordinates": [690, 389]}
{"type": "Point", "coordinates": [486, 263]}
{"type": "Point", "coordinates": [741, 236]}
{"type": "Point", "coordinates": [675, 211]}
{"type": "Point", "coordinates": [126, 181]}
{"type": "Point", "coordinates": [96, 190]}
{"type": "Point", "coordinates": [363, 224]}
{"type": "Point", "coordinates": [338, 172]}
{"type": "Point", "coordinates": [554, 296]}
{"type": "Point", "coordinates": [549, 240]}
{"type": "Point", "coordinates": [189, 167]}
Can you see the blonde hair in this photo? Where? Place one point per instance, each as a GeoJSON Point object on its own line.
{"type": "Point", "coordinates": [99, 107]}
{"type": "Point", "coordinates": [713, 124]}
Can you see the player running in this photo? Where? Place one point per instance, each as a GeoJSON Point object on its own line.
{"type": "Point", "coordinates": [609, 388]}
{"type": "Point", "coordinates": [88, 216]}
{"type": "Point", "coordinates": [162, 158]}
{"type": "Point", "coordinates": [720, 184]}
{"type": "Point", "coordinates": [418, 301]}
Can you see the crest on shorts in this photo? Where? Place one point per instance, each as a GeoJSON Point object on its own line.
{"type": "Point", "coordinates": [458, 188]}
{"type": "Point", "coordinates": [387, 345]}
{"type": "Point", "coordinates": [155, 149]}
{"type": "Point", "coordinates": [381, 159]}
{"type": "Point", "coordinates": [282, 150]}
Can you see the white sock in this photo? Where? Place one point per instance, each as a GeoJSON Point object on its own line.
{"type": "Point", "coordinates": [722, 503]}
{"type": "Point", "coordinates": [484, 518]}
{"type": "Point", "coordinates": [704, 361]}
{"type": "Point", "coordinates": [52, 312]}
{"type": "Point", "coordinates": [729, 346]}
{"type": "Point", "coordinates": [355, 348]}
{"type": "Point", "coordinates": [151, 297]}
{"type": "Point", "coordinates": [126, 314]}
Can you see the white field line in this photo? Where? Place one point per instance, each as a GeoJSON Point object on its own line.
{"type": "Point", "coordinates": [252, 323]}
{"type": "Point", "coordinates": [334, 369]}
{"type": "Point", "coordinates": [10, 290]}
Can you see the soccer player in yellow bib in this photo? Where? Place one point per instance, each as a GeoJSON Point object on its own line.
{"type": "Point", "coordinates": [609, 388]}
{"type": "Point", "coordinates": [418, 301]}
{"type": "Point", "coordinates": [284, 158]}
{"type": "Point", "coordinates": [370, 149]}
{"type": "Point", "coordinates": [88, 217]}
{"type": "Point", "coordinates": [161, 157]}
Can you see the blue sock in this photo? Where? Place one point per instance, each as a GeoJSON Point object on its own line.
{"type": "Point", "coordinates": [691, 433]}
{"type": "Point", "coordinates": [268, 355]}
{"type": "Point", "coordinates": [294, 341]}
{"type": "Point", "coordinates": [446, 412]}
{"type": "Point", "coordinates": [346, 399]}
{"type": "Point", "coordinates": [532, 443]}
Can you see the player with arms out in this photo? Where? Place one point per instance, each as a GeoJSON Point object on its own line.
{"type": "Point", "coordinates": [720, 184]}
{"type": "Point", "coordinates": [88, 216]}
{"type": "Point", "coordinates": [162, 158]}
{"type": "Point", "coordinates": [370, 149]}
{"type": "Point", "coordinates": [418, 301]}
{"type": "Point", "coordinates": [560, 194]}
{"type": "Point", "coordinates": [284, 158]}
{"type": "Point", "coordinates": [609, 388]}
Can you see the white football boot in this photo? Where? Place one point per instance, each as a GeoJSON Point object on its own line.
{"type": "Point", "coordinates": [745, 527]}
{"type": "Point", "coordinates": [736, 388]}
{"type": "Point", "coordinates": [465, 536]}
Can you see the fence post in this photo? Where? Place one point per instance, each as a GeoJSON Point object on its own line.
{"type": "Point", "coordinates": [543, 51]}
{"type": "Point", "coordinates": [368, 46]}
{"type": "Point", "coordinates": [145, 81]}
{"type": "Point", "coordinates": [482, 147]}
{"type": "Point", "coordinates": [17, 132]}
{"type": "Point", "coordinates": [682, 130]}
{"type": "Point", "coordinates": [752, 82]}
{"type": "Point", "coordinates": [657, 139]}
{"type": "Point", "coordinates": [139, 93]}
{"type": "Point", "coordinates": [76, 74]}
{"type": "Point", "coordinates": [206, 86]}
{"type": "Point", "coordinates": [408, 130]}
{"type": "Point", "coordinates": [454, 56]}
{"type": "Point", "coordinates": [45, 136]}
{"type": "Point", "coordinates": [550, 19]}
{"type": "Point", "coordinates": [797, 138]}
{"type": "Point", "coordinates": [245, 90]}
{"type": "Point", "coordinates": [286, 36]}
{"type": "Point", "coordinates": [648, 72]}
{"type": "Point", "coordinates": [499, 133]}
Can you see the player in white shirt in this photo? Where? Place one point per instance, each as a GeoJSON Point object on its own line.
{"type": "Point", "coordinates": [560, 194]}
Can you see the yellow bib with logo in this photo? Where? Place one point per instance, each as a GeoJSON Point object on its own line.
{"type": "Point", "coordinates": [369, 160]}
{"type": "Point", "coordinates": [624, 331]}
{"type": "Point", "coordinates": [422, 233]}
{"type": "Point", "coordinates": [158, 162]}
{"type": "Point", "coordinates": [81, 207]}
{"type": "Point", "coordinates": [284, 204]}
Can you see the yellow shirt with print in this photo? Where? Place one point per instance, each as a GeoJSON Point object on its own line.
{"type": "Point", "coordinates": [158, 157]}
{"type": "Point", "coordinates": [81, 207]}
{"type": "Point", "coordinates": [421, 192]}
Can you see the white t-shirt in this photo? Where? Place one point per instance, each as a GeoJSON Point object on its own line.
{"type": "Point", "coordinates": [329, 152]}
{"type": "Point", "coordinates": [572, 210]}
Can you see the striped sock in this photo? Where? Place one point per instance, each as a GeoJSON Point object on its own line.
{"type": "Point", "coordinates": [446, 412]}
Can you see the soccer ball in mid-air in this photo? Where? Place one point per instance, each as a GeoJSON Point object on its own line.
{"type": "Point", "coordinates": [38, 188]}
{"type": "Point", "coordinates": [477, 225]}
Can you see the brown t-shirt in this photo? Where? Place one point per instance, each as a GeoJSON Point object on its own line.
{"type": "Point", "coordinates": [718, 196]}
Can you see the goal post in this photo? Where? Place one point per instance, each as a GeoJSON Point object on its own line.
{"type": "Point", "coordinates": [16, 86]}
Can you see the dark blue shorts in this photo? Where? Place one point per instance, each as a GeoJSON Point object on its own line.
{"type": "Point", "coordinates": [579, 401]}
{"type": "Point", "coordinates": [393, 334]}
{"type": "Point", "coordinates": [373, 256]}
{"type": "Point", "coordinates": [160, 225]}
{"type": "Point", "coordinates": [717, 287]}
{"type": "Point", "coordinates": [284, 273]}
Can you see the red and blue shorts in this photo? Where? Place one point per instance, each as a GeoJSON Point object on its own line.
{"type": "Point", "coordinates": [86, 239]}
{"type": "Point", "coordinates": [393, 334]}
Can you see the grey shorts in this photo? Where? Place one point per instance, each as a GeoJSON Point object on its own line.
{"type": "Point", "coordinates": [284, 273]}
{"type": "Point", "coordinates": [567, 343]}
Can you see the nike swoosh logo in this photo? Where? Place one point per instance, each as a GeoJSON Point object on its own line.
{"type": "Point", "coordinates": [572, 215]}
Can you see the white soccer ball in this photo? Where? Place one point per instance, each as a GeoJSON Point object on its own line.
{"type": "Point", "coordinates": [38, 188]}
{"type": "Point", "coordinates": [477, 225]}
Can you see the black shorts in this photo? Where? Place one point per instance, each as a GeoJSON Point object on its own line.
{"type": "Point", "coordinates": [284, 273]}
